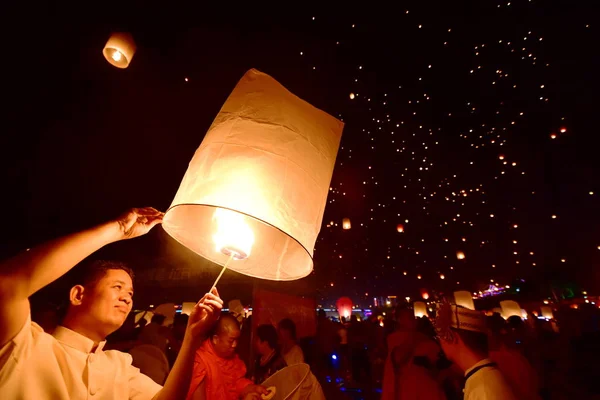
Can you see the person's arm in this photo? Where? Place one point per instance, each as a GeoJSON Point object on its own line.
{"type": "Point", "coordinates": [200, 392]}
{"type": "Point", "coordinates": [25, 274]}
{"type": "Point", "coordinates": [202, 318]}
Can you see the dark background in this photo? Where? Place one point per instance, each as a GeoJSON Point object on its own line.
{"type": "Point", "coordinates": [83, 141]}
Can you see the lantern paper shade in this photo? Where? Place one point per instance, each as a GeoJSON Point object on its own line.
{"type": "Point", "coordinates": [510, 308]}
{"type": "Point", "coordinates": [344, 306]}
{"type": "Point", "coordinates": [420, 309]}
{"type": "Point", "coordinates": [187, 307]}
{"type": "Point", "coordinates": [463, 298]}
{"type": "Point", "coordinates": [346, 223]}
{"type": "Point", "coordinates": [460, 255]}
{"type": "Point", "coordinates": [119, 49]}
{"type": "Point", "coordinates": [547, 312]}
{"type": "Point", "coordinates": [268, 158]}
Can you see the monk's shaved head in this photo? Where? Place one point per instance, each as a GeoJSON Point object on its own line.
{"type": "Point", "coordinates": [225, 336]}
{"type": "Point", "coordinates": [226, 323]}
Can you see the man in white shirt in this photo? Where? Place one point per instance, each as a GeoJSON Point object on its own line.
{"type": "Point", "coordinates": [463, 338]}
{"type": "Point", "coordinates": [71, 363]}
{"type": "Point", "coordinates": [291, 352]}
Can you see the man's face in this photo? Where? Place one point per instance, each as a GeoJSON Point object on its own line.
{"type": "Point", "coordinates": [108, 303]}
{"type": "Point", "coordinates": [226, 343]}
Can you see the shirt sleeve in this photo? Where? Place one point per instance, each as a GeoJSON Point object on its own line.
{"type": "Point", "coordinates": [198, 375]}
{"type": "Point", "coordinates": [18, 348]}
{"type": "Point", "coordinates": [141, 387]}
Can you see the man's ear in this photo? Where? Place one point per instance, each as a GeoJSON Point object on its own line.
{"type": "Point", "coordinates": [76, 295]}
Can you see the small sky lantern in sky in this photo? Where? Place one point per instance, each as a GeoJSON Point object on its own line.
{"type": "Point", "coordinates": [254, 203]}
{"type": "Point", "coordinates": [400, 228]}
{"type": "Point", "coordinates": [460, 255]}
{"type": "Point", "coordinates": [352, 96]}
{"type": "Point", "coordinates": [424, 294]}
{"type": "Point", "coordinates": [563, 130]}
{"type": "Point", "coordinates": [346, 223]}
{"type": "Point", "coordinates": [119, 49]}
{"type": "Point", "coordinates": [344, 306]}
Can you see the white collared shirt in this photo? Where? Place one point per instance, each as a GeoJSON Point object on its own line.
{"type": "Point", "coordinates": [487, 383]}
{"type": "Point", "coordinates": [36, 365]}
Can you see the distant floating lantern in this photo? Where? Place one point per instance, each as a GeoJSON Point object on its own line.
{"type": "Point", "coordinates": [187, 307]}
{"type": "Point", "coordinates": [464, 299]}
{"type": "Point", "coordinates": [418, 276]}
{"type": "Point", "coordinates": [352, 96]}
{"type": "Point", "coordinates": [442, 276]}
{"type": "Point", "coordinates": [420, 309]}
{"type": "Point", "coordinates": [510, 308]}
{"type": "Point", "coordinates": [119, 49]}
{"type": "Point", "coordinates": [346, 223]}
{"type": "Point", "coordinates": [553, 136]}
{"type": "Point", "coordinates": [266, 163]}
{"type": "Point", "coordinates": [563, 130]}
{"type": "Point", "coordinates": [460, 255]}
{"type": "Point", "coordinates": [344, 306]}
{"type": "Point", "coordinates": [501, 157]}
{"type": "Point", "coordinates": [424, 294]}
{"type": "Point", "coordinates": [400, 228]}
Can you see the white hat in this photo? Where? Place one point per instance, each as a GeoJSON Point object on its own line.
{"type": "Point", "coordinates": [457, 317]}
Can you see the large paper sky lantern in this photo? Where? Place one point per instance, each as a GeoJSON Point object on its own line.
{"type": "Point", "coordinates": [344, 306]}
{"type": "Point", "coordinates": [119, 49]}
{"type": "Point", "coordinates": [464, 299]}
{"type": "Point", "coordinates": [510, 308]}
{"type": "Point", "coordinates": [255, 190]}
{"type": "Point", "coordinates": [420, 309]}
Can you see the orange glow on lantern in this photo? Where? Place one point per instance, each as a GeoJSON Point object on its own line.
{"type": "Point", "coordinates": [460, 255]}
{"type": "Point", "coordinates": [400, 228]}
{"type": "Point", "coordinates": [119, 49]}
{"type": "Point", "coordinates": [346, 224]}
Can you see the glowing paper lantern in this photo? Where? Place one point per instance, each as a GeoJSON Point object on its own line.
{"type": "Point", "coordinates": [400, 228]}
{"type": "Point", "coordinates": [346, 223]}
{"type": "Point", "coordinates": [420, 309]}
{"type": "Point", "coordinates": [464, 299]}
{"type": "Point", "coordinates": [460, 255]}
{"type": "Point", "coordinates": [264, 168]}
{"type": "Point", "coordinates": [510, 308]}
{"type": "Point", "coordinates": [547, 312]}
{"type": "Point", "coordinates": [424, 294]}
{"type": "Point", "coordinates": [187, 307]}
{"type": "Point", "coordinates": [344, 306]}
{"type": "Point", "coordinates": [119, 49]}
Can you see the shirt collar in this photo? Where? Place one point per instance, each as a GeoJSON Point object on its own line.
{"type": "Point", "coordinates": [482, 362]}
{"type": "Point", "coordinates": [77, 341]}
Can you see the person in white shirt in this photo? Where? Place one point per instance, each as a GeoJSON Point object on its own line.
{"type": "Point", "coordinates": [291, 352]}
{"type": "Point", "coordinates": [71, 363]}
{"type": "Point", "coordinates": [463, 338]}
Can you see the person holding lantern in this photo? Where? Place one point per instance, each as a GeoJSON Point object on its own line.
{"type": "Point", "coordinates": [219, 374]}
{"type": "Point", "coordinates": [463, 337]}
{"type": "Point", "coordinates": [71, 362]}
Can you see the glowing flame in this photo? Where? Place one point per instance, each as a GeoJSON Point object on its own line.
{"type": "Point", "coordinates": [116, 55]}
{"type": "Point", "coordinates": [233, 236]}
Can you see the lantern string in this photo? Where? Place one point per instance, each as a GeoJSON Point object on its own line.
{"type": "Point", "coordinates": [221, 274]}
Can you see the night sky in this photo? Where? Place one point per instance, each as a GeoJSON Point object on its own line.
{"type": "Point", "coordinates": [471, 126]}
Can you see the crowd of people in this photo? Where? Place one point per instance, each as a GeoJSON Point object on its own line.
{"type": "Point", "coordinates": [460, 353]}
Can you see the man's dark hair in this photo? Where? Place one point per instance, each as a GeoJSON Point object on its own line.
{"type": "Point", "coordinates": [88, 275]}
{"type": "Point", "coordinates": [158, 319]}
{"type": "Point", "coordinates": [288, 325]}
{"type": "Point", "coordinates": [267, 333]}
{"type": "Point", "coordinates": [476, 341]}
